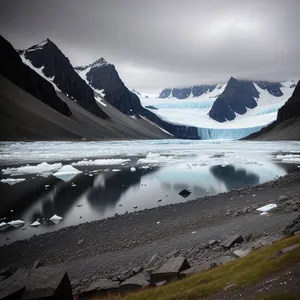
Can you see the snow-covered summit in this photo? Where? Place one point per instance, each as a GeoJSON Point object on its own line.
{"type": "Point", "coordinates": [98, 63]}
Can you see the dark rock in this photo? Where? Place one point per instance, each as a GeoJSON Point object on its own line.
{"type": "Point", "coordinates": [137, 270]}
{"type": "Point", "coordinates": [197, 269]}
{"type": "Point", "coordinates": [170, 269]}
{"type": "Point", "coordinates": [138, 281]}
{"type": "Point", "coordinates": [212, 242]}
{"type": "Point", "coordinates": [183, 93]}
{"type": "Point", "coordinates": [184, 193]}
{"type": "Point", "coordinates": [161, 283]}
{"type": "Point", "coordinates": [230, 286]}
{"type": "Point", "coordinates": [12, 67]}
{"type": "Point", "coordinates": [42, 283]}
{"type": "Point", "coordinates": [56, 64]}
{"type": "Point", "coordinates": [101, 286]}
{"type": "Point", "coordinates": [152, 263]}
{"type": "Point", "coordinates": [230, 241]}
{"type": "Point", "coordinates": [37, 264]}
{"type": "Point", "coordinates": [238, 96]}
{"type": "Point", "coordinates": [248, 237]}
{"type": "Point", "coordinates": [172, 253]}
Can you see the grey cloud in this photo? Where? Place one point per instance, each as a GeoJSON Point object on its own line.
{"type": "Point", "coordinates": [156, 44]}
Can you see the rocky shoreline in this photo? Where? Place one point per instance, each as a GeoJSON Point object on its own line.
{"type": "Point", "coordinates": [118, 248]}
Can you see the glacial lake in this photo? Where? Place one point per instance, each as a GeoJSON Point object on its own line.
{"type": "Point", "coordinates": [120, 177]}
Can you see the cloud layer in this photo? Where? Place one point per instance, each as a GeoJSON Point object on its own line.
{"type": "Point", "coordinates": [156, 44]}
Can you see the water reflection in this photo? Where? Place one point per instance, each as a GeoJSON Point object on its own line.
{"type": "Point", "coordinates": [96, 194]}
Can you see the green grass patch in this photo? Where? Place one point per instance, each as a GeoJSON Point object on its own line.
{"type": "Point", "coordinates": [243, 272]}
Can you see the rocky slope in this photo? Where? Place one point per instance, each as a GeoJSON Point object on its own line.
{"type": "Point", "coordinates": [104, 79]}
{"type": "Point", "coordinates": [287, 124]}
{"type": "Point", "coordinates": [45, 99]}
{"type": "Point", "coordinates": [47, 57]}
{"type": "Point", "coordinates": [12, 68]}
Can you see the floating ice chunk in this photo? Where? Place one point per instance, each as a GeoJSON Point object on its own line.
{"type": "Point", "coordinates": [157, 222]}
{"type": "Point", "coordinates": [66, 173]}
{"type": "Point", "coordinates": [35, 224]}
{"type": "Point", "coordinates": [116, 170]}
{"type": "Point", "coordinates": [267, 207]}
{"type": "Point", "coordinates": [156, 158]}
{"type": "Point", "coordinates": [135, 207]}
{"type": "Point", "coordinates": [132, 169]}
{"type": "Point", "coordinates": [12, 181]}
{"type": "Point", "coordinates": [41, 168]}
{"type": "Point", "coordinates": [16, 223]}
{"type": "Point", "coordinates": [3, 224]}
{"type": "Point", "coordinates": [55, 219]}
{"type": "Point", "coordinates": [100, 162]}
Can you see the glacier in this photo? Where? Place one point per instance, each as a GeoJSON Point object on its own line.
{"type": "Point", "coordinates": [193, 112]}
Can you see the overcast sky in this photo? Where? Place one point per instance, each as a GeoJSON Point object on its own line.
{"type": "Point", "coordinates": [165, 43]}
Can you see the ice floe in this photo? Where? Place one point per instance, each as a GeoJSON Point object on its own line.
{"type": "Point", "coordinates": [42, 168]}
{"type": "Point", "coordinates": [16, 223]}
{"type": "Point", "coordinates": [156, 158]}
{"type": "Point", "coordinates": [12, 181]}
{"type": "Point", "coordinates": [267, 208]}
{"type": "Point", "coordinates": [55, 219]}
{"type": "Point", "coordinates": [100, 162]}
{"type": "Point", "coordinates": [67, 173]}
{"type": "Point", "coordinates": [3, 224]}
{"type": "Point", "coordinates": [35, 224]}
{"type": "Point", "coordinates": [132, 169]}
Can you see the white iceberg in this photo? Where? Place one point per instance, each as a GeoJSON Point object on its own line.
{"type": "Point", "coordinates": [132, 169]}
{"type": "Point", "coordinates": [55, 219]}
{"type": "Point", "coordinates": [12, 181]}
{"type": "Point", "coordinates": [42, 168]}
{"type": "Point", "coordinates": [100, 162]}
{"type": "Point", "coordinates": [3, 224]}
{"type": "Point", "coordinates": [16, 223]}
{"type": "Point", "coordinates": [267, 207]}
{"type": "Point", "coordinates": [35, 224]}
{"type": "Point", "coordinates": [66, 173]}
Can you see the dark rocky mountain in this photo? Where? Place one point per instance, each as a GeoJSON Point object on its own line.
{"type": "Point", "coordinates": [183, 93]}
{"type": "Point", "coordinates": [103, 76]}
{"type": "Point", "coordinates": [57, 66]}
{"type": "Point", "coordinates": [12, 67]}
{"type": "Point", "coordinates": [287, 124]}
{"type": "Point", "coordinates": [238, 96]}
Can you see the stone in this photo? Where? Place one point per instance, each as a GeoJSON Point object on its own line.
{"type": "Point", "coordinates": [290, 248]}
{"type": "Point", "coordinates": [41, 283]}
{"type": "Point", "coordinates": [222, 260]}
{"type": "Point", "coordinates": [161, 283]}
{"type": "Point", "coordinates": [172, 253]}
{"type": "Point", "coordinates": [101, 286]}
{"type": "Point", "coordinates": [230, 241]}
{"type": "Point", "coordinates": [37, 264]}
{"type": "Point", "coordinates": [184, 193]}
{"type": "Point", "coordinates": [80, 241]}
{"type": "Point", "coordinates": [241, 253]}
{"type": "Point", "coordinates": [196, 269]}
{"type": "Point", "coordinates": [297, 232]}
{"type": "Point", "coordinates": [137, 270]}
{"type": "Point", "coordinates": [248, 237]}
{"type": "Point", "coordinates": [282, 198]}
{"type": "Point", "coordinates": [228, 287]}
{"type": "Point", "coordinates": [170, 269]}
{"type": "Point", "coordinates": [212, 242]}
{"type": "Point", "coordinates": [151, 265]}
{"type": "Point", "coordinates": [136, 282]}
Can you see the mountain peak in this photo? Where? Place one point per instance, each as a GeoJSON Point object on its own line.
{"type": "Point", "coordinates": [99, 62]}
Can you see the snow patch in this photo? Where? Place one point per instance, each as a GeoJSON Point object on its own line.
{"type": "Point", "coordinates": [35, 224]}
{"type": "Point", "coordinates": [12, 181]}
{"type": "Point", "coordinates": [16, 223]}
{"type": "Point", "coordinates": [98, 99]}
{"type": "Point", "coordinates": [42, 168]}
{"type": "Point", "coordinates": [267, 207]}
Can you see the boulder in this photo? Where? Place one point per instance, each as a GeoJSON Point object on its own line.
{"type": "Point", "coordinates": [282, 198]}
{"type": "Point", "coordinates": [136, 282]}
{"type": "Point", "coordinates": [42, 283]}
{"type": "Point", "coordinates": [241, 253]}
{"type": "Point", "coordinates": [170, 269]}
{"type": "Point", "coordinates": [102, 287]}
{"type": "Point", "coordinates": [184, 193]}
{"type": "Point", "coordinates": [196, 269]}
{"type": "Point", "coordinates": [230, 241]}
